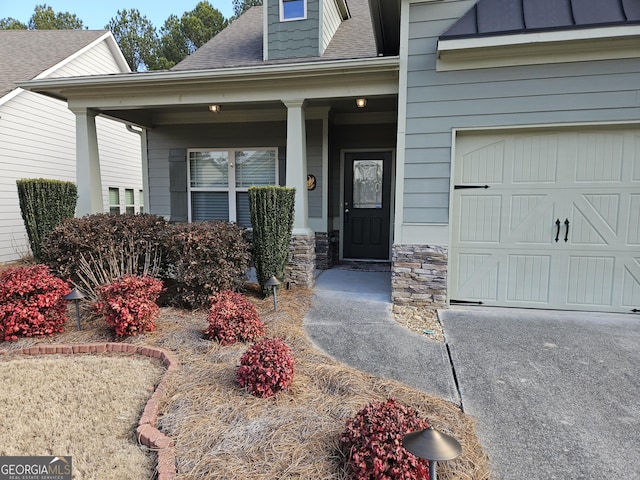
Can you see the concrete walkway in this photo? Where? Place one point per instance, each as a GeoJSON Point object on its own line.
{"type": "Point", "coordinates": [556, 394]}
{"type": "Point", "coordinates": [351, 320]}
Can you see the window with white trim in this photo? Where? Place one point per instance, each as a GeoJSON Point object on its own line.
{"type": "Point", "coordinates": [114, 200]}
{"type": "Point", "coordinates": [293, 10]}
{"type": "Point", "coordinates": [129, 201]}
{"type": "Point", "coordinates": [141, 200]}
{"type": "Point", "coordinates": [219, 181]}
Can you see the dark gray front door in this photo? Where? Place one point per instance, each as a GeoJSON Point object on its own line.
{"type": "Point", "coordinates": [367, 198]}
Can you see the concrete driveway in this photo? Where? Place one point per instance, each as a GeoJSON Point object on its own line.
{"type": "Point", "coordinates": [556, 394]}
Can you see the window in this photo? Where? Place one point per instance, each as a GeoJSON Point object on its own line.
{"type": "Point", "coordinates": [219, 181]}
{"type": "Point", "coordinates": [141, 200]}
{"type": "Point", "coordinates": [114, 200]}
{"type": "Point", "coordinates": [293, 9]}
{"type": "Point", "coordinates": [129, 201]}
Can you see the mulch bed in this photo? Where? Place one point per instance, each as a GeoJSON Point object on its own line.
{"type": "Point", "coordinates": [221, 431]}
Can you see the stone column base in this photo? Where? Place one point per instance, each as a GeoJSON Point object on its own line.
{"type": "Point", "coordinates": [324, 260]}
{"type": "Point", "coordinates": [300, 271]}
{"type": "Point", "coordinates": [419, 275]}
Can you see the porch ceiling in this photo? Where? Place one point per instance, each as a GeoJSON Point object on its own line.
{"type": "Point", "coordinates": [379, 109]}
{"type": "Point", "coordinates": [165, 97]}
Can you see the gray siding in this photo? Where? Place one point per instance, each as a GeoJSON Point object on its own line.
{"type": "Point", "coordinates": [437, 102]}
{"type": "Point", "coordinates": [314, 165]}
{"type": "Point", "coordinates": [294, 39]}
{"type": "Point", "coordinates": [167, 147]}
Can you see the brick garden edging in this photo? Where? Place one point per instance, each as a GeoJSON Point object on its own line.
{"type": "Point", "coordinates": [146, 432]}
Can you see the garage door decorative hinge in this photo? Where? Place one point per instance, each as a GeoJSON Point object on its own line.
{"type": "Point", "coordinates": [465, 302]}
{"type": "Point", "coordinates": [464, 187]}
{"type": "Point", "coordinates": [635, 310]}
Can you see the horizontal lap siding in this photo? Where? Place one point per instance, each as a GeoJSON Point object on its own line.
{"type": "Point", "coordinates": [437, 102]}
{"type": "Point", "coordinates": [162, 140]}
{"type": "Point", "coordinates": [31, 146]}
{"type": "Point", "coordinates": [331, 20]}
{"type": "Point", "coordinates": [37, 140]}
{"type": "Point", "coordinates": [120, 158]}
{"type": "Point", "coordinates": [95, 61]}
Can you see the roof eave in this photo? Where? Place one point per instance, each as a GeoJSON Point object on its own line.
{"type": "Point", "coordinates": [62, 88]}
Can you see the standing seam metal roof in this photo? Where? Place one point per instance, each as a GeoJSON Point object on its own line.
{"type": "Point", "coordinates": [504, 17]}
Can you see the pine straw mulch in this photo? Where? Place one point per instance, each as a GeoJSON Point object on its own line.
{"type": "Point", "coordinates": [221, 431]}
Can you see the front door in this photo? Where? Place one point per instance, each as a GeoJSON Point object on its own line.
{"type": "Point", "coordinates": [366, 211]}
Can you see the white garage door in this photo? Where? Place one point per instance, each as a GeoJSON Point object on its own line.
{"type": "Point", "coordinates": [558, 226]}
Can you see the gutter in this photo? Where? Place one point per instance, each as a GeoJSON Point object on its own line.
{"type": "Point", "coordinates": [298, 70]}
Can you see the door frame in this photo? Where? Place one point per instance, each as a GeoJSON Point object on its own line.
{"type": "Point", "coordinates": [392, 193]}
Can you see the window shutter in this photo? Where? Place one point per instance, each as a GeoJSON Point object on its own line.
{"type": "Point", "coordinates": [178, 184]}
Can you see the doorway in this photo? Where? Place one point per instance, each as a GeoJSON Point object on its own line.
{"type": "Point", "coordinates": [367, 205]}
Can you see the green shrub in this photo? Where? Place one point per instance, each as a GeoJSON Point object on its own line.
{"type": "Point", "coordinates": [272, 214]}
{"type": "Point", "coordinates": [44, 204]}
{"type": "Point", "coordinates": [31, 302]}
{"type": "Point", "coordinates": [98, 249]}
{"type": "Point", "coordinates": [204, 258]}
{"type": "Point", "coordinates": [232, 318]}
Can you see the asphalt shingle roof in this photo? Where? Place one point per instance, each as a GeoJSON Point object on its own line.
{"type": "Point", "coordinates": [240, 44]}
{"type": "Point", "coordinates": [24, 54]}
{"type": "Point", "coordinates": [503, 17]}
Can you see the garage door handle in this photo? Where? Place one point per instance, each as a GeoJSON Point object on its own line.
{"type": "Point", "coordinates": [566, 234]}
{"type": "Point", "coordinates": [558, 231]}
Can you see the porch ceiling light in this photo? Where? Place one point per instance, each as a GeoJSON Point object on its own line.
{"type": "Point", "coordinates": [361, 102]}
{"type": "Point", "coordinates": [215, 108]}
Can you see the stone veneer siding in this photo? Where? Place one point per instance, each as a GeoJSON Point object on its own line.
{"type": "Point", "coordinates": [300, 271]}
{"type": "Point", "coordinates": [324, 260]}
{"type": "Point", "coordinates": [419, 275]}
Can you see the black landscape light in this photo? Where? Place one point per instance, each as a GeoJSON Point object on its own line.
{"type": "Point", "coordinates": [273, 282]}
{"type": "Point", "coordinates": [432, 445]}
{"type": "Point", "coordinates": [75, 296]}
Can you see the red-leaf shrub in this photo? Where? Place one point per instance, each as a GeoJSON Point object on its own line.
{"type": "Point", "coordinates": [266, 368]}
{"type": "Point", "coordinates": [129, 304]}
{"type": "Point", "coordinates": [31, 302]}
{"type": "Point", "coordinates": [372, 443]}
{"type": "Point", "coordinates": [232, 318]}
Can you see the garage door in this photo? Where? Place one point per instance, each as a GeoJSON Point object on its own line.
{"type": "Point", "coordinates": [547, 220]}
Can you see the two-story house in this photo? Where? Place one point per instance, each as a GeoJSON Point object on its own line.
{"type": "Point", "coordinates": [488, 149]}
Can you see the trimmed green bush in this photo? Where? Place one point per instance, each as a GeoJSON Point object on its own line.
{"type": "Point", "coordinates": [44, 204]}
{"type": "Point", "coordinates": [272, 214]}
{"type": "Point", "coordinates": [204, 258]}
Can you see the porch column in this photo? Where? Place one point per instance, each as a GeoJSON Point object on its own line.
{"type": "Point", "coordinates": [301, 267]}
{"type": "Point", "coordinates": [296, 173]}
{"type": "Point", "coordinates": [88, 178]}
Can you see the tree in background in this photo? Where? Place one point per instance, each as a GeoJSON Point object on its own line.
{"type": "Point", "coordinates": [44, 18]}
{"type": "Point", "coordinates": [141, 46]}
{"type": "Point", "coordinates": [9, 23]}
{"type": "Point", "coordinates": [136, 37]}
{"type": "Point", "coordinates": [180, 37]}
{"type": "Point", "coordinates": [240, 6]}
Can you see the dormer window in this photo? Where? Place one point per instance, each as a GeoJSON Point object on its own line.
{"type": "Point", "coordinates": [293, 10]}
